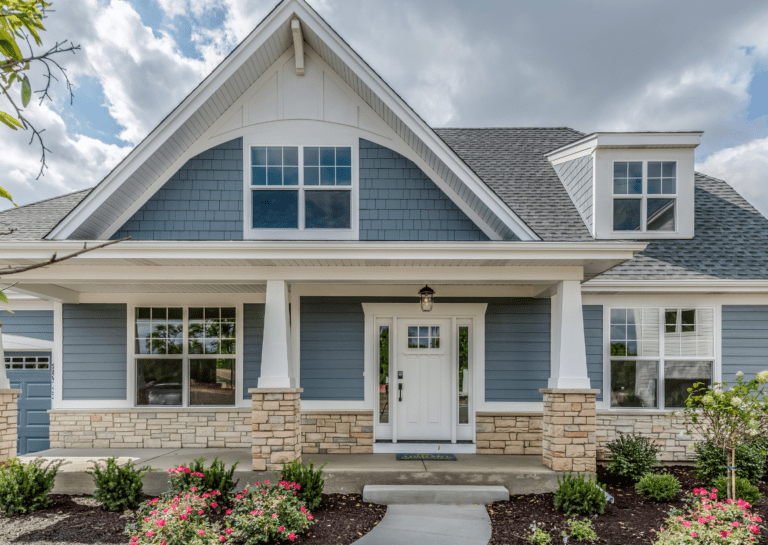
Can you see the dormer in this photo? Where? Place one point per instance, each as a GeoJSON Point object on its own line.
{"type": "Point", "coordinates": [631, 185]}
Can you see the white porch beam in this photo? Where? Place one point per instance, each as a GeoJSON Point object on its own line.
{"type": "Point", "coordinates": [276, 349]}
{"type": "Point", "coordinates": [569, 353]}
{"type": "Point", "coordinates": [298, 46]}
{"type": "Point", "coordinates": [48, 292]}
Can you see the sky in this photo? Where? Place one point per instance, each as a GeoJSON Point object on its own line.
{"type": "Point", "coordinates": [593, 65]}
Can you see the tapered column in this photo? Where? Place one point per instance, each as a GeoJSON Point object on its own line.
{"type": "Point", "coordinates": [568, 367]}
{"type": "Point", "coordinates": [276, 348]}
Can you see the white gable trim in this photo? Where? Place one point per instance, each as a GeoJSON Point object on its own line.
{"type": "Point", "coordinates": [12, 343]}
{"type": "Point", "coordinates": [282, 15]}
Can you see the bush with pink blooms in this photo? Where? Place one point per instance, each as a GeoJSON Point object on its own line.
{"type": "Point", "coordinates": [177, 520]}
{"type": "Point", "coordinates": [265, 513]}
{"type": "Point", "coordinates": [711, 521]}
{"type": "Point", "coordinates": [197, 478]}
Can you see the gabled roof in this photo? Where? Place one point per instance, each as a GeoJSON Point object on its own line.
{"type": "Point", "coordinates": [34, 221]}
{"type": "Point", "coordinates": [166, 148]}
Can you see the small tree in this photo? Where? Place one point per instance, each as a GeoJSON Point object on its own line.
{"type": "Point", "coordinates": [729, 417]}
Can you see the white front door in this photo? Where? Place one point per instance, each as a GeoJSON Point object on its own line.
{"type": "Point", "coordinates": [423, 395]}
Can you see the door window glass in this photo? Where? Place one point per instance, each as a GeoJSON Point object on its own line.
{"type": "Point", "coordinates": [423, 336]}
{"type": "Point", "coordinates": [384, 374]}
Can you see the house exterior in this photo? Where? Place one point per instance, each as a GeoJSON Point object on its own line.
{"type": "Point", "coordinates": [283, 219]}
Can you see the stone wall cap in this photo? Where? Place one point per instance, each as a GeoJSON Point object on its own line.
{"type": "Point", "coordinates": [160, 409]}
{"type": "Point", "coordinates": [331, 411]}
{"type": "Point", "coordinates": [509, 413]}
{"type": "Point", "coordinates": [650, 412]}
{"type": "Point", "coordinates": [568, 391]}
{"type": "Point", "coordinates": [3, 392]}
{"type": "Point", "coordinates": [275, 390]}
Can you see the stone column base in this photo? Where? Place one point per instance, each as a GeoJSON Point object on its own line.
{"type": "Point", "coordinates": [8, 421]}
{"type": "Point", "coordinates": [276, 424]}
{"type": "Point", "coordinates": [568, 442]}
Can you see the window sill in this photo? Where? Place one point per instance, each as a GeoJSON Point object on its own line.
{"type": "Point", "coordinates": [307, 234]}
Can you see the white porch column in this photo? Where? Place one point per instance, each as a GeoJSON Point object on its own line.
{"type": "Point", "coordinates": [569, 354]}
{"type": "Point", "coordinates": [276, 348]}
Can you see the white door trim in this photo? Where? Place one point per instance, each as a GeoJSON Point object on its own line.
{"type": "Point", "coordinates": [473, 313]}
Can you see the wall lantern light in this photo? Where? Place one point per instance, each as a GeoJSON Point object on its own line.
{"type": "Point", "coordinates": [426, 297]}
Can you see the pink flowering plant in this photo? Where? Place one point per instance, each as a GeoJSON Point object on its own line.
{"type": "Point", "coordinates": [194, 477]}
{"type": "Point", "coordinates": [178, 520]}
{"type": "Point", "coordinates": [711, 521]}
{"type": "Point", "coordinates": [265, 513]}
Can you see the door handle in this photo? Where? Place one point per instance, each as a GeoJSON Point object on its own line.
{"type": "Point", "coordinates": [400, 390]}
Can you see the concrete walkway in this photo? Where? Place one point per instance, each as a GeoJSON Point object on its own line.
{"type": "Point", "coordinates": [431, 525]}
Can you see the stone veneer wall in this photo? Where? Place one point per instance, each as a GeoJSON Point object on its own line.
{"type": "Point", "coordinates": [276, 427]}
{"type": "Point", "coordinates": [667, 431]}
{"type": "Point", "coordinates": [568, 442]}
{"type": "Point", "coordinates": [337, 432]}
{"type": "Point", "coordinates": [154, 428]}
{"type": "Point", "coordinates": [8, 421]}
{"type": "Point", "coordinates": [509, 433]}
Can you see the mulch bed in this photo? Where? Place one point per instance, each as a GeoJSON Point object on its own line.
{"type": "Point", "coordinates": [628, 521]}
{"type": "Point", "coordinates": [340, 520]}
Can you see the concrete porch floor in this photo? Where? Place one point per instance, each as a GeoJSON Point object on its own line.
{"type": "Point", "coordinates": [344, 473]}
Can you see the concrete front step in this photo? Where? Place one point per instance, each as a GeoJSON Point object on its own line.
{"type": "Point", "coordinates": [445, 494]}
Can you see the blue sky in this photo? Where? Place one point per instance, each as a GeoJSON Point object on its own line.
{"type": "Point", "coordinates": [592, 65]}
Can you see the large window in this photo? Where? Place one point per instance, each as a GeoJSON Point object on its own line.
{"type": "Point", "coordinates": [185, 356]}
{"type": "Point", "coordinates": [644, 196]}
{"type": "Point", "coordinates": [303, 188]}
{"type": "Point", "coordinates": [658, 353]}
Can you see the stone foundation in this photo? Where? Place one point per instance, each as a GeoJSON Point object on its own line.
{"type": "Point", "coordinates": [276, 419]}
{"type": "Point", "coordinates": [509, 433]}
{"type": "Point", "coordinates": [8, 420]}
{"type": "Point", "coordinates": [150, 428]}
{"type": "Point", "coordinates": [666, 430]}
{"type": "Point", "coordinates": [568, 442]}
{"type": "Point", "coordinates": [337, 432]}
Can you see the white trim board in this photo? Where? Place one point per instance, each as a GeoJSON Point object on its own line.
{"type": "Point", "coordinates": [14, 343]}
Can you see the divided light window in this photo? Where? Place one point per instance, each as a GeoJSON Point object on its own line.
{"type": "Point", "coordinates": [301, 187]}
{"type": "Point", "coordinates": [658, 353]}
{"type": "Point", "coordinates": [644, 196]}
{"type": "Point", "coordinates": [185, 356]}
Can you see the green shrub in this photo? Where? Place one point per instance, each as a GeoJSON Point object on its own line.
{"type": "Point", "coordinates": [632, 456]}
{"type": "Point", "coordinates": [268, 514]}
{"type": "Point", "coordinates": [25, 487]}
{"type": "Point", "coordinates": [195, 475]}
{"type": "Point", "coordinates": [118, 488]}
{"type": "Point", "coordinates": [308, 478]}
{"type": "Point", "coordinates": [744, 489]}
{"type": "Point", "coordinates": [711, 462]}
{"type": "Point", "coordinates": [580, 530]}
{"type": "Point", "coordinates": [658, 487]}
{"type": "Point", "coordinates": [578, 496]}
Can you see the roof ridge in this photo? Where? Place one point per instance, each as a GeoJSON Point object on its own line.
{"type": "Point", "coordinates": [46, 200]}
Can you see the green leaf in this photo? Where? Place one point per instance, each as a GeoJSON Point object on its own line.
{"type": "Point", "coordinates": [9, 47]}
{"type": "Point", "coordinates": [3, 297]}
{"type": "Point", "coordinates": [9, 120]}
{"type": "Point", "coordinates": [5, 195]}
{"type": "Point", "coordinates": [26, 91]}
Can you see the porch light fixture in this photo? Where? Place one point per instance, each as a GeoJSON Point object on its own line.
{"type": "Point", "coordinates": [426, 297]}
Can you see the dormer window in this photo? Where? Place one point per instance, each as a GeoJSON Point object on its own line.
{"type": "Point", "coordinates": [644, 196]}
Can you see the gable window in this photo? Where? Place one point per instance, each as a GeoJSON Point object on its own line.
{"type": "Point", "coordinates": [658, 353]}
{"type": "Point", "coordinates": [307, 190]}
{"type": "Point", "coordinates": [644, 196]}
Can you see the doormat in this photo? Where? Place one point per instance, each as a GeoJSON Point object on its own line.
{"type": "Point", "coordinates": [428, 457]}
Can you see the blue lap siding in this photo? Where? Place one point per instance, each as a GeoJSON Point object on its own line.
{"type": "Point", "coordinates": [593, 338]}
{"type": "Point", "coordinates": [745, 340]}
{"type": "Point", "coordinates": [253, 338]}
{"type": "Point", "coordinates": [36, 324]}
{"type": "Point", "coordinates": [95, 351]}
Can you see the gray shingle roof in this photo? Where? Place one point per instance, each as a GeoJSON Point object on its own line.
{"type": "Point", "coordinates": [512, 163]}
{"type": "Point", "coordinates": [730, 241]}
{"type": "Point", "coordinates": [33, 221]}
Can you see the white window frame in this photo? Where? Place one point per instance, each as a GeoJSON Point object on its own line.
{"type": "Point", "coordinates": [185, 356]}
{"type": "Point", "coordinates": [300, 233]}
{"type": "Point", "coordinates": [661, 359]}
{"type": "Point", "coordinates": [644, 196]}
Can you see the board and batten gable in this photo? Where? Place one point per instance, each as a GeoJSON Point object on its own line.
{"type": "Point", "coordinates": [35, 324]}
{"type": "Point", "coordinates": [95, 352]}
{"type": "Point", "coordinates": [253, 340]}
{"type": "Point", "coordinates": [745, 340]}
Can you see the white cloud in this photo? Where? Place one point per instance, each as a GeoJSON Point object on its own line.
{"type": "Point", "coordinates": [745, 167]}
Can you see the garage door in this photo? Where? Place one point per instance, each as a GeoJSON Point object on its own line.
{"type": "Point", "coordinates": [31, 373]}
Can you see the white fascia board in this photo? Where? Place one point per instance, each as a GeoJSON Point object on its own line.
{"type": "Point", "coordinates": [142, 152]}
{"type": "Point", "coordinates": [627, 140]}
{"type": "Point", "coordinates": [714, 285]}
{"type": "Point", "coordinates": [325, 250]}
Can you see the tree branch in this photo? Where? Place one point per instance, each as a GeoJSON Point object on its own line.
{"type": "Point", "coordinates": [54, 259]}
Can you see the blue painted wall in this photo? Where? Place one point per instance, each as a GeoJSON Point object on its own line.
{"type": "Point", "coordinates": [745, 340]}
{"type": "Point", "coordinates": [202, 201]}
{"type": "Point", "coordinates": [37, 324]}
{"type": "Point", "coordinates": [593, 337]}
{"type": "Point", "coordinates": [399, 202]}
{"type": "Point", "coordinates": [253, 337]}
{"type": "Point", "coordinates": [95, 353]}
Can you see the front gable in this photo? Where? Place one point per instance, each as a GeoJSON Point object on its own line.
{"type": "Point", "coordinates": [256, 92]}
